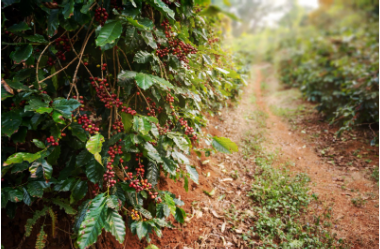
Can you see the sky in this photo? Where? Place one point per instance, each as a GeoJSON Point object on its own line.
{"type": "Point", "coordinates": [272, 18]}
{"type": "Point", "coordinates": [309, 3]}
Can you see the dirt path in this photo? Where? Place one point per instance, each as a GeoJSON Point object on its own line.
{"type": "Point", "coordinates": [359, 225]}
{"type": "Point", "coordinates": [227, 217]}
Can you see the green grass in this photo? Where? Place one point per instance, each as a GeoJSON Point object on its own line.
{"type": "Point", "coordinates": [278, 211]}
{"type": "Point", "coordinates": [279, 201]}
{"type": "Point", "coordinates": [259, 117]}
{"type": "Point", "coordinates": [264, 86]}
{"type": "Point", "coordinates": [252, 144]}
{"type": "Point", "coordinates": [375, 174]}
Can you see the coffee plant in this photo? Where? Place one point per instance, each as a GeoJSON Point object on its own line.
{"type": "Point", "coordinates": [101, 99]}
{"type": "Point", "coordinates": [338, 66]}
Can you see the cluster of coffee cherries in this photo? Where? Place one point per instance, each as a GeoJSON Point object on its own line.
{"type": "Point", "coordinates": [188, 130]}
{"type": "Point", "coordinates": [140, 170]}
{"type": "Point", "coordinates": [140, 185]}
{"type": "Point", "coordinates": [129, 176]}
{"type": "Point", "coordinates": [110, 174]}
{"type": "Point", "coordinates": [108, 179]}
{"type": "Point", "coordinates": [170, 100]}
{"type": "Point", "coordinates": [135, 215]}
{"type": "Point", "coordinates": [63, 43]}
{"type": "Point", "coordinates": [182, 122]}
{"type": "Point", "coordinates": [138, 156]}
{"type": "Point", "coordinates": [213, 40]}
{"type": "Point", "coordinates": [102, 91]}
{"type": "Point", "coordinates": [162, 130]}
{"type": "Point", "coordinates": [50, 61]}
{"type": "Point", "coordinates": [21, 104]}
{"type": "Point", "coordinates": [87, 124]}
{"type": "Point", "coordinates": [81, 101]}
{"type": "Point", "coordinates": [114, 5]}
{"type": "Point", "coordinates": [161, 52]}
{"type": "Point", "coordinates": [104, 66]}
{"type": "Point", "coordinates": [61, 55]}
{"type": "Point", "coordinates": [153, 195]}
{"type": "Point", "coordinates": [128, 110]}
{"type": "Point", "coordinates": [96, 189]}
{"type": "Point", "coordinates": [52, 140]}
{"type": "Point", "coordinates": [153, 107]}
{"type": "Point", "coordinates": [151, 112]}
{"type": "Point", "coordinates": [118, 126]}
{"type": "Point", "coordinates": [113, 151]}
{"type": "Point", "coordinates": [176, 46]}
{"type": "Point", "coordinates": [181, 49]}
{"type": "Point", "coordinates": [101, 15]}
{"type": "Point", "coordinates": [8, 33]}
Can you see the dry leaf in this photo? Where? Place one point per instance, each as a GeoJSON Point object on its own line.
{"type": "Point", "coordinates": [51, 5]}
{"type": "Point", "coordinates": [226, 179]}
{"type": "Point", "coordinates": [224, 241]}
{"type": "Point", "coordinates": [119, 173]}
{"type": "Point", "coordinates": [223, 227]}
{"type": "Point", "coordinates": [205, 209]}
{"type": "Point", "coordinates": [7, 87]}
{"type": "Point", "coordinates": [198, 214]}
{"type": "Point", "coordinates": [215, 214]}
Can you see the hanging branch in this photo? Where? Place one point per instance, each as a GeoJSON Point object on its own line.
{"type": "Point", "coordinates": [110, 124]}
{"type": "Point", "coordinates": [114, 67]}
{"type": "Point", "coordinates": [39, 59]}
{"type": "Point", "coordinates": [126, 58]}
{"type": "Point", "coordinates": [80, 58]}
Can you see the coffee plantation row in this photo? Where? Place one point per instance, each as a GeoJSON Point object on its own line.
{"type": "Point", "coordinates": [101, 99]}
{"type": "Point", "coordinates": [335, 63]}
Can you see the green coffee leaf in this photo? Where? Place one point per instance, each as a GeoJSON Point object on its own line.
{"type": "Point", "coordinates": [10, 121]}
{"type": "Point", "coordinates": [20, 157]}
{"type": "Point", "coordinates": [36, 38]}
{"type": "Point", "coordinates": [142, 57]}
{"type": "Point", "coordinates": [162, 7]}
{"type": "Point", "coordinates": [144, 81]}
{"type": "Point", "coordinates": [109, 33]}
{"type": "Point", "coordinates": [224, 145]}
{"type": "Point", "coordinates": [46, 168]}
{"type": "Point", "coordinates": [65, 107]}
{"type": "Point", "coordinates": [65, 205]}
{"type": "Point", "coordinates": [193, 173]}
{"type": "Point", "coordinates": [77, 130]}
{"type": "Point", "coordinates": [15, 195]}
{"type": "Point", "coordinates": [94, 170]}
{"type": "Point", "coordinates": [180, 215]}
{"type": "Point", "coordinates": [127, 121]}
{"type": "Point", "coordinates": [22, 26]}
{"type": "Point", "coordinates": [22, 53]}
{"type": "Point", "coordinates": [94, 145]}
{"type": "Point", "coordinates": [39, 144]}
{"type": "Point", "coordinates": [149, 39]}
{"type": "Point", "coordinates": [93, 223]}
{"type": "Point", "coordinates": [115, 225]}
{"type": "Point", "coordinates": [78, 190]}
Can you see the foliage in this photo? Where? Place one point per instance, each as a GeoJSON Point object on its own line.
{"type": "Point", "coordinates": [334, 62]}
{"type": "Point", "coordinates": [279, 210]}
{"type": "Point", "coordinates": [101, 99]}
{"type": "Point", "coordinates": [375, 174]}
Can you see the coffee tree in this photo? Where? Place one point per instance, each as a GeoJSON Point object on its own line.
{"type": "Point", "coordinates": [101, 99]}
